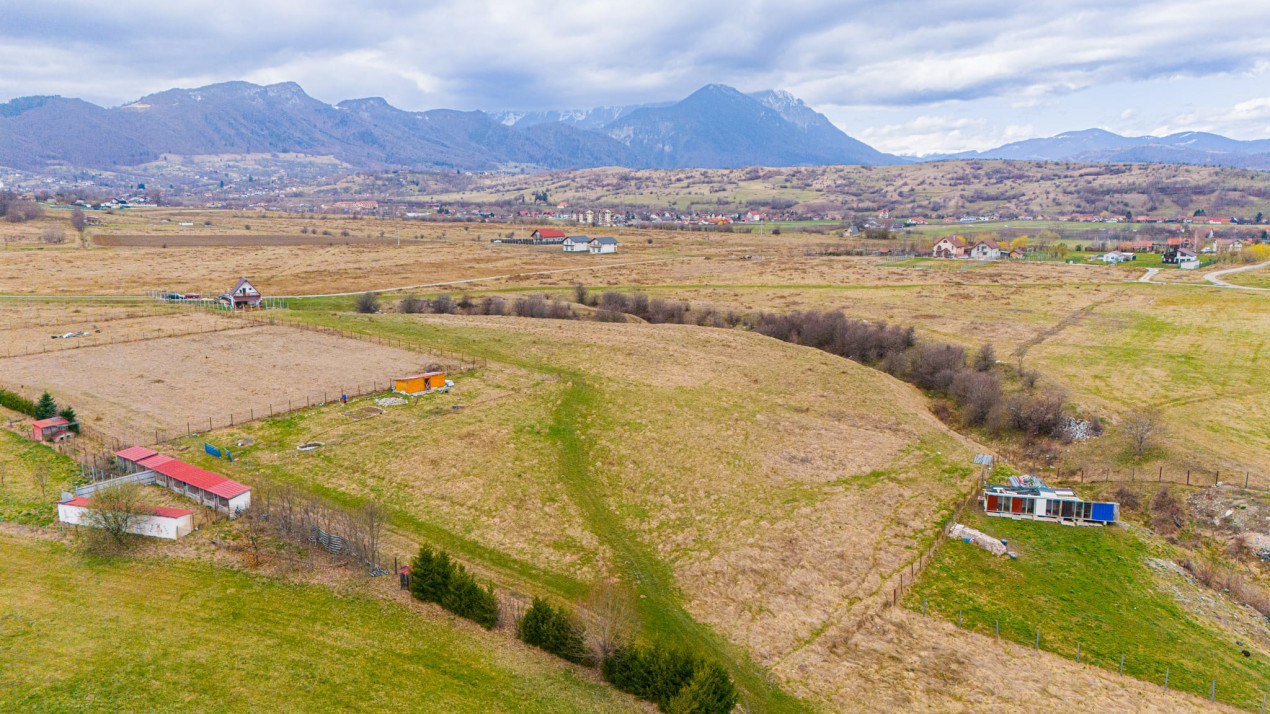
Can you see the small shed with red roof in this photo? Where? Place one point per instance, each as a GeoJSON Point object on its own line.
{"type": "Point", "coordinates": [156, 522]}
{"type": "Point", "coordinates": [52, 429]}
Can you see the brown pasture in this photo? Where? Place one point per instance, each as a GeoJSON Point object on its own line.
{"type": "Point", "coordinates": [130, 391]}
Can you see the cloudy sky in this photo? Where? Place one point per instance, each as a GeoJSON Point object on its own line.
{"type": "Point", "coordinates": [908, 76]}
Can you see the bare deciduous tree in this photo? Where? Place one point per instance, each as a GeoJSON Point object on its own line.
{"type": "Point", "coordinates": [611, 619]}
{"type": "Point", "coordinates": [115, 510]}
{"type": "Point", "coordinates": [1141, 428]}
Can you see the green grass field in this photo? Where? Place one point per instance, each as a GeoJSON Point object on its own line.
{"type": "Point", "coordinates": [1089, 587]}
{"type": "Point", "coordinates": [21, 462]}
{"type": "Point", "coordinates": [79, 634]}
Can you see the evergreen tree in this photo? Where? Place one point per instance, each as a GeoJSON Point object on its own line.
{"type": "Point", "coordinates": [711, 691]}
{"type": "Point", "coordinates": [69, 415]}
{"type": "Point", "coordinates": [552, 629]}
{"type": "Point", "coordinates": [46, 407]}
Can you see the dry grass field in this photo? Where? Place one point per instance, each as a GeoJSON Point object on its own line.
{"type": "Point", "coordinates": [112, 327]}
{"type": "Point", "coordinates": [128, 391]}
{"type": "Point", "coordinates": [755, 498]}
{"type": "Point", "coordinates": [767, 490]}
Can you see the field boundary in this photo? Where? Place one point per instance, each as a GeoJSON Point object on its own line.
{"type": "Point", "coordinates": [129, 340]}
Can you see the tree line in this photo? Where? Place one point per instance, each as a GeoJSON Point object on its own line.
{"type": "Point", "coordinates": [677, 680]}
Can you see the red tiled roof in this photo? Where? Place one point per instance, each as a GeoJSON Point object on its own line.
{"type": "Point", "coordinates": [135, 453]}
{"type": "Point", "coordinates": [550, 233]}
{"type": "Point", "coordinates": [53, 421]}
{"type": "Point", "coordinates": [160, 511]}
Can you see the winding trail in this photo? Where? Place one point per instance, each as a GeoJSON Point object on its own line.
{"type": "Point", "coordinates": [1216, 277]}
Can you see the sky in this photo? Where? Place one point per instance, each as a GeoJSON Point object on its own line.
{"type": "Point", "coordinates": [906, 76]}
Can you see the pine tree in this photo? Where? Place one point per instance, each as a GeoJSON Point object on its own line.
{"type": "Point", "coordinates": [46, 407]}
{"type": "Point", "coordinates": [69, 415]}
{"type": "Point", "coordinates": [710, 692]}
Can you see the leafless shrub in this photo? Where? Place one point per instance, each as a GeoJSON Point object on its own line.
{"type": "Point", "coordinates": [985, 358]}
{"type": "Point", "coordinates": [113, 512]}
{"type": "Point", "coordinates": [977, 393]}
{"type": "Point", "coordinates": [1127, 498]}
{"type": "Point", "coordinates": [443, 304]}
{"type": "Point", "coordinates": [412, 305]}
{"type": "Point", "coordinates": [1167, 512]}
{"type": "Point", "coordinates": [367, 303]}
{"type": "Point", "coordinates": [53, 235]}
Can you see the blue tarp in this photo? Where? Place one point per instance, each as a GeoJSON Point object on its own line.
{"type": "Point", "coordinates": [211, 449]}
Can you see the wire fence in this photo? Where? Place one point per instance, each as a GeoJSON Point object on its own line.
{"type": "Point", "coordinates": [1161, 474]}
{"type": "Point", "coordinates": [1105, 654]}
{"type": "Point", "coordinates": [77, 343]}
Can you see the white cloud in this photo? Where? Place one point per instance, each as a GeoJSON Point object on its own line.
{"type": "Point", "coordinates": [930, 134]}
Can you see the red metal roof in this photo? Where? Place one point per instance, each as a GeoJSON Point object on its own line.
{"type": "Point", "coordinates": [200, 478]}
{"type": "Point", "coordinates": [53, 421]}
{"type": "Point", "coordinates": [166, 512]}
{"type": "Point", "coordinates": [154, 460]}
{"type": "Point", "coordinates": [550, 233]}
{"type": "Point", "coordinates": [160, 511]}
{"type": "Point", "coordinates": [135, 453]}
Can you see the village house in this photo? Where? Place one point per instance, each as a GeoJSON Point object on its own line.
{"type": "Point", "coordinates": [949, 247]}
{"type": "Point", "coordinates": [986, 249]}
{"type": "Point", "coordinates": [548, 235]}
{"type": "Point", "coordinates": [1116, 257]}
{"type": "Point", "coordinates": [244, 294]}
{"type": "Point", "coordinates": [576, 244]}
{"type": "Point", "coordinates": [603, 244]}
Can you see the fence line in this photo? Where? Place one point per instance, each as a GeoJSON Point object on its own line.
{"type": "Point", "coordinates": [465, 361]}
{"type": "Point", "coordinates": [85, 345]}
{"type": "Point", "coordinates": [1180, 477]}
{"type": "Point", "coordinates": [1039, 642]}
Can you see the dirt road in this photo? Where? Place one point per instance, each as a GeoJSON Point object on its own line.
{"type": "Point", "coordinates": [1216, 278]}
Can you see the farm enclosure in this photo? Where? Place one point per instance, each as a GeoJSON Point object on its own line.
{"type": "Point", "coordinates": [171, 384]}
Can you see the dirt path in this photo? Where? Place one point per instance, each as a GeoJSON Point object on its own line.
{"type": "Point", "coordinates": [1150, 274]}
{"type": "Point", "coordinates": [1216, 278]}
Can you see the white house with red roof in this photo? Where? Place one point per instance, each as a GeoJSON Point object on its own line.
{"type": "Point", "coordinates": [210, 489]}
{"type": "Point", "coordinates": [986, 249]}
{"type": "Point", "coordinates": [551, 235]}
{"type": "Point", "coordinates": [949, 247]}
{"type": "Point", "coordinates": [157, 522]}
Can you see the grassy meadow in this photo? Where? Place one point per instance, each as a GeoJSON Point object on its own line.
{"type": "Point", "coordinates": [1092, 588]}
{"type": "Point", "coordinates": [82, 634]}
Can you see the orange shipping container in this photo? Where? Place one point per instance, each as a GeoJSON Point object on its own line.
{"type": "Point", "coordinates": [419, 383]}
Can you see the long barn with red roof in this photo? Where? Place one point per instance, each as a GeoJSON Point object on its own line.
{"type": "Point", "coordinates": [210, 489]}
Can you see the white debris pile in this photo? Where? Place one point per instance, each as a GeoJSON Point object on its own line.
{"type": "Point", "coordinates": [1079, 429]}
{"type": "Point", "coordinates": [983, 540]}
{"type": "Point", "coordinates": [391, 402]}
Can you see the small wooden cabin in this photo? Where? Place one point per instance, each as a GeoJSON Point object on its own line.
{"type": "Point", "coordinates": [419, 383]}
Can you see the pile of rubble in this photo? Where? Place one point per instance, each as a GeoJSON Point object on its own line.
{"type": "Point", "coordinates": [983, 540]}
{"type": "Point", "coordinates": [391, 402]}
{"type": "Point", "coordinates": [1079, 429]}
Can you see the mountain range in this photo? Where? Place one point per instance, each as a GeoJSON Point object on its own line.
{"type": "Point", "coordinates": [1100, 146]}
{"type": "Point", "coordinates": [714, 127]}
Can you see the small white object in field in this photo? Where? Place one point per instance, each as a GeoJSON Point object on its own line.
{"type": "Point", "coordinates": [391, 402]}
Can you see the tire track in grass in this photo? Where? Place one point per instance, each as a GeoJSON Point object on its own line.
{"type": "Point", "coordinates": [658, 602]}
